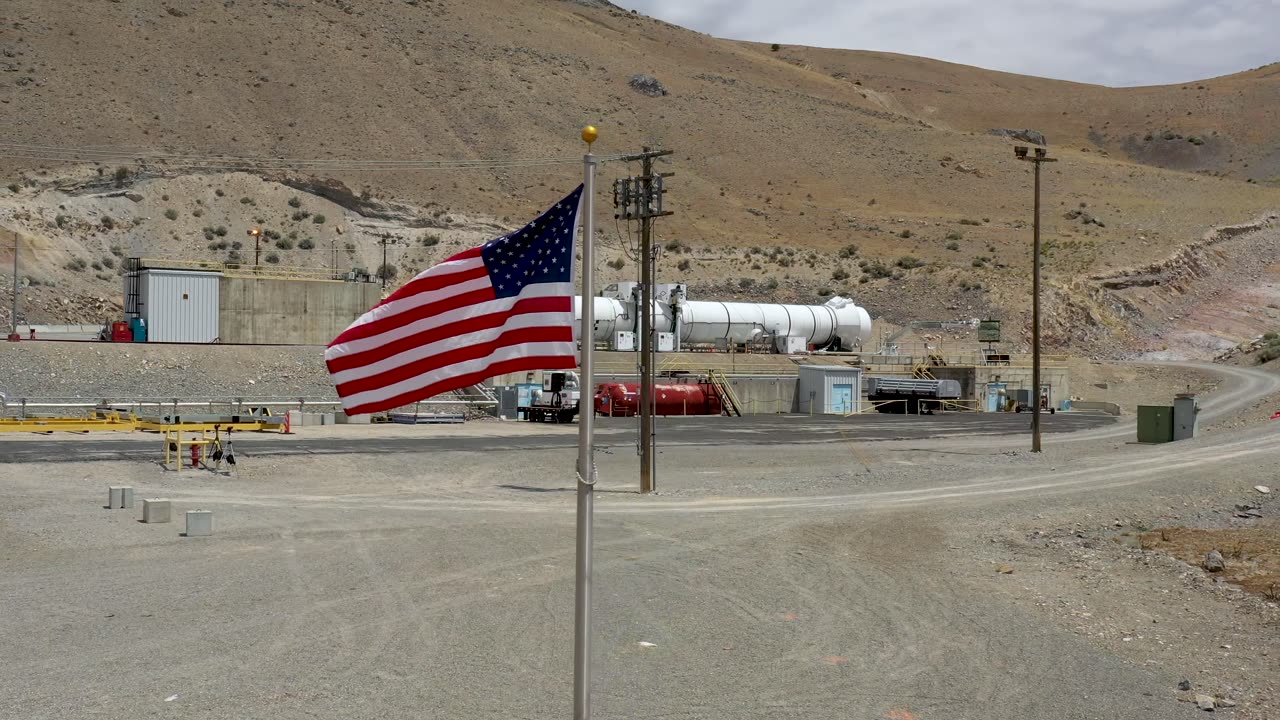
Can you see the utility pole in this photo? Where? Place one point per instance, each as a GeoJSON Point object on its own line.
{"type": "Point", "coordinates": [384, 271]}
{"type": "Point", "coordinates": [640, 198]}
{"type": "Point", "coordinates": [1040, 156]}
{"type": "Point", "coordinates": [13, 321]}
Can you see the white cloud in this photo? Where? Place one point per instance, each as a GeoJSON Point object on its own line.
{"type": "Point", "coordinates": [1112, 42]}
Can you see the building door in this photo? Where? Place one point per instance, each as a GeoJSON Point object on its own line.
{"type": "Point", "coordinates": [995, 397]}
{"type": "Point", "coordinates": [842, 399]}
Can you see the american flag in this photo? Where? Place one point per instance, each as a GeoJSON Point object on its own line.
{"type": "Point", "coordinates": [506, 306]}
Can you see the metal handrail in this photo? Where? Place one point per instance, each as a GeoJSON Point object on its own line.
{"type": "Point", "coordinates": [245, 269]}
{"type": "Point", "coordinates": [861, 407]}
{"type": "Point", "coordinates": [721, 383]}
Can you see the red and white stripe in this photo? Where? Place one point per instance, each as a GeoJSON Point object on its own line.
{"type": "Point", "coordinates": [446, 330]}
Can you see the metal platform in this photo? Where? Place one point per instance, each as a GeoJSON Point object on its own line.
{"type": "Point", "coordinates": [428, 418]}
{"type": "Point", "coordinates": [114, 421]}
{"type": "Point", "coordinates": [95, 423]}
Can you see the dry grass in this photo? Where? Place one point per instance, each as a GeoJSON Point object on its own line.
{"type": "Point", "coordinates": [1252, 554]}
{"type": "Point", "coordinates": [886, 152]}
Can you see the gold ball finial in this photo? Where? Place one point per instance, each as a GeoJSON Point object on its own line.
{"type": "Point", "coordinates": [589, 134]}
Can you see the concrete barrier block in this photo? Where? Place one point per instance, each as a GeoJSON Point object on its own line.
{"type": "Point", "coordinates": [327, 419]}
{"type": "Point", "coordinates": [126, 497]}
{"type": "Point", "coordinates": [156, 510]}
{"type": "Point", "coordinates": [199, 523]}
{"type": "Point", "coordinates": [354, 419]}
{"type": "Point", "coordinates": [115, 497]}
{"type": "Point", "coordinates": [295, 418]}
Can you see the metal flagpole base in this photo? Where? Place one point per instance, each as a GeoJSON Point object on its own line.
{"type": "Point", "coordinates": [582, 596]}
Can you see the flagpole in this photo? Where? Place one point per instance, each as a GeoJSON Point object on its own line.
{"type": "Point", "coordinates": [586, 423]}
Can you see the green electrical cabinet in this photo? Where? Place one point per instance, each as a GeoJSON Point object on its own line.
{"type": "Point", "coordinates": [1155, 424]}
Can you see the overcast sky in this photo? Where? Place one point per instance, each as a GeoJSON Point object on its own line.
{"type": "Point", "coordinates": [1112, 42]}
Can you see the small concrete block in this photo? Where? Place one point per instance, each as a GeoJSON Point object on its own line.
{"type": "Point", "coordinates": [355, 419]}
{"type": "Point", "coordinates": [199, 523]}
{"type": "Point", "coordinates": [126, 497]}
{"type": "Point", "coordinates": [156, 510]}
{"type": "Point", "coordinates": [115, 497]}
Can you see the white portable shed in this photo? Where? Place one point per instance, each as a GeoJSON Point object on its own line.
{"type": "Point", "coordinates": [179, 306]}
{"type": "Point", "coordinates": [828, 389]}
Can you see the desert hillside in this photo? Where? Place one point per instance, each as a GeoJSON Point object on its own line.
{"type": "Point", "coordinates": [799, 172]}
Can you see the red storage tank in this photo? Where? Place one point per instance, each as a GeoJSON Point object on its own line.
{"type": "Point", "coordinates": [623, 399]}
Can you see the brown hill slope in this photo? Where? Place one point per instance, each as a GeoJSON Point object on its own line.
{"type": "Point", "coordinates": [774, 149]}
{"type": "Point", "coordinates": [1222, 126]}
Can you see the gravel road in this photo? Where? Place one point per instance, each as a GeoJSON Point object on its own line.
{"type": "Point", "coordinates": [848, 578]}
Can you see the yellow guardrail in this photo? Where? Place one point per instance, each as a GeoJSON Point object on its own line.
{"type": "Point", "coordinates": [97, 423]}
{"type": "Point", "coordinates": [151, 426]}
{"type": "Point", "coordinates": [960, 360]}
{"type": "Point", "coordinates": [868, 406]}
{"type": "Point", "coordinates": [247, 270]}
{"type": "Point", "coordinates": [629, 368]}
{"type": "Point", "coordinates": [124, 422]}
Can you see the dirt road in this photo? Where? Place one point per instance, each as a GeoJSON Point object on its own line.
{"type": "Point", "coordinates": [846, 579]}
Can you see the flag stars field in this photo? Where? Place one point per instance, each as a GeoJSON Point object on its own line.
{"type": "Point", "coordinates": [506, 306]}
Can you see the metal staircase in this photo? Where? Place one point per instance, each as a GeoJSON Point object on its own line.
{"type": "Point", "coordinates": [921, 371]}
{"type": "Point", "coordinates": [483, 391]}
{"type": "Point", "coordinates": [728, 398]}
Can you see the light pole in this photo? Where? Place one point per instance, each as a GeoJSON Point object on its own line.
{"type": "Point", "coordinates": [256, 233]}
{"type": "Point", "coordinates": [1040, 156]}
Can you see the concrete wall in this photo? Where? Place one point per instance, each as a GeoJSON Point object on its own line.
{"type": "Point", "coordinates": [966, 376]}
{"type": "Point", "coordinates": [765, 396]}
{"type": "Point", "coordinates": [290, 312]}
{"type": "Point", "coordinates": [1107, 407]}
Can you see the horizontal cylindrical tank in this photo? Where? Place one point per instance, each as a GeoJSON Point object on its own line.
{"type": "Point", "coordinates": [710, 322]}
{"type": "Point", "coordinates": [819, 325]}
{"type": "Point", "coordinates": [623, 399]}
{"type": "Point", "coordinates": [611, 315]}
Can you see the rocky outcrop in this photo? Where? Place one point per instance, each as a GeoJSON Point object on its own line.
{"type": "Point", "coordinates": [647, 85]}
{"type": "Point", "coordinates": [1034, 137]}
{"type": "Point", "coordinates": [1188, 263]}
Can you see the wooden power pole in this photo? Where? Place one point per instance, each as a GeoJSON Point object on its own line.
{"type": "Point", "coordinates": [640, 198]}
{"type": "Point", "coordinates": [1039, 157]}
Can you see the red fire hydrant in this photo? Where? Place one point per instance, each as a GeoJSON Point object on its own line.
{"type": "Point", "coordinates": [195, 456]}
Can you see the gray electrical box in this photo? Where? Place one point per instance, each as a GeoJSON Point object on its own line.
{"type": "Point", "coordinates": [508, 401]}
{"type": "Point", "coordinates": [1185, 410]}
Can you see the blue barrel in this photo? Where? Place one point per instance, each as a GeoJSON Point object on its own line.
{"type": "Point", "coordinates": [139, 328]}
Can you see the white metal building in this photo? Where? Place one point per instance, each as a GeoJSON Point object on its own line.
{"type": "Point", "coordinates": [179, 305]}
{"type": "Point", "coordinates": [828, 389]}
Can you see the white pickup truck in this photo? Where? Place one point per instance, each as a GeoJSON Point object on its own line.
{"type": "Point", "coordinates": [559, 399]}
